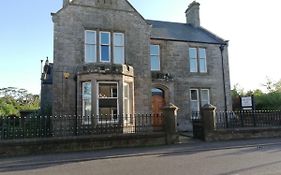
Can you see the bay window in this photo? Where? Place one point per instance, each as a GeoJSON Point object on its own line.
{"type": "Point", "coordinates": [86, 102]}
{"type": "Point", "coordinates": [107, 101]}
{"type": "Point", "coordinates": [127, 102]}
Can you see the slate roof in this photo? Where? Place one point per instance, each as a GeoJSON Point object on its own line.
{"type": "Point", "coordinates": [182, 32]}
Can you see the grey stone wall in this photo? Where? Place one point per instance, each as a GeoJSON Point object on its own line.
{"type": "Point", "coordinates": [246, 133]}
{"type": "Point", "coordinates": [69, 26]}
{"type": "Point", "coordinates": [72, 144]}
{"type": "Point", "coordinates": [46, 99]}
{"type": "Point", "coordinates": [175, 61]}
{"type": "Point", "coordinates": [119, 16]}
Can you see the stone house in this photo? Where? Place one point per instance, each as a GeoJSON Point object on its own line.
{"type": "Point", "coordinates": [109, 60]}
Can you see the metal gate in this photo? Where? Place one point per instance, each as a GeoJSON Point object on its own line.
{"type": "Point", "coordinates": [198, 126]}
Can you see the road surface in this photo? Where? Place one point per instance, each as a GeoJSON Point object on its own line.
{"type": "Point", "coordinates": [255, 159]}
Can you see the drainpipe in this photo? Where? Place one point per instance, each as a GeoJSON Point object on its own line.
{"type": "Point", "coordinates": [222, 46]}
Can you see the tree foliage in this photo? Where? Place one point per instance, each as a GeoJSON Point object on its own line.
{"type": "Point", "coordinates": [270, 100]}
{"type": "Point", "coordinates": [14, 100]}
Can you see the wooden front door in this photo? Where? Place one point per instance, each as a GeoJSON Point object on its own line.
{"type": "Point", "coordinates": [157, 103]}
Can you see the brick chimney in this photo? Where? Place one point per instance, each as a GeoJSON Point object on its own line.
{"type": "Point", "coordinates": [192, 14]}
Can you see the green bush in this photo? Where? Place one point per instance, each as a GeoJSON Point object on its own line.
{"type": "Point", "coordinates": [13, 100]}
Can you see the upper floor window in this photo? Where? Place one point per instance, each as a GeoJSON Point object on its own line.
{"type": "Point", "coordinates": [197, 59]}
{"type": "Point", "coordinates": [155, 57]}
{"type": "Point", "coordinates": [90, 46]}
{"type": "Point", "coordinates": [118, 48]}
{"type": "Point", "coordinates": [105, 47]}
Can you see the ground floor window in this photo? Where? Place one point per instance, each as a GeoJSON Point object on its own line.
{"type": "Point", "coordinates": [198, 98]}
{"type": "Point", "coordinates": [127, 102]}
{"type": "Point", "coordinates": [86, 102]}
{"type": "Point", "coordinates": [107, 101]}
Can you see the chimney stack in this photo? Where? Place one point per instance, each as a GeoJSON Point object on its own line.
{"type": "Point", "coordinates": [66, 2]}
{"type": "Point", "coordinates": [192, 14]}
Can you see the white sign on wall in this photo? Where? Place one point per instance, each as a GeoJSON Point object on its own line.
{"type": "Point", "coordinates": [246, 102]}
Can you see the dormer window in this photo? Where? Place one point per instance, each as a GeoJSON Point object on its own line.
{"type": "Point", "coordinates": [104, 47]}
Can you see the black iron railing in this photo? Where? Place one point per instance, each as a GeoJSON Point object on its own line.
{"type": "Point", "coordinates": [249, 118]}
{"type": "Point", "coordinates": [71, 125]}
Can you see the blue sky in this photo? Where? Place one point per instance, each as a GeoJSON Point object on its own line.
{"type": "Point", "coordinates": [26, 36]}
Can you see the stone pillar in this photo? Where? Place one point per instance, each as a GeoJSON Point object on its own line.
{"type": "Point", "coordinates": [170, 123]}
{"type": "Point", "coordinates": [208, 113]}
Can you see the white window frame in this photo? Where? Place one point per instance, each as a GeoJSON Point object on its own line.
{"type": "Point", "coordinates": [86, 120]}
{"type": "Point", "coordinates": [201, 58]}
{"type": "Point", "coordinates": [122, 46]}
{"type": "Point", "coordinates": [117, 101]}
{"type": "Point", "coordinates": [197, 60]}
{"type": "Point", "coordinates": [109, 46]}
{"type": "Point", "coordinates": [193, 59]}
{"type": "Point", "coordinates": [127, 114]}
{"type": "Point", "coordinates": [157, 55]}
{"type": "Point", "coordinates": [87, 60]}
{"type": "Point", "coordinates": [199, 97]}
{"type": "Point", "coordinates": [201, 100]}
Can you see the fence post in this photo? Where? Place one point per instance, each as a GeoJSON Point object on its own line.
{"type": "Point", "coordinates": [208, 113]}
{"type": "Point", "coordinates": [170, 123]}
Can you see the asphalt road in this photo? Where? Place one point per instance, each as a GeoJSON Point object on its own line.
{"type": "Point", "coordinates": [257, 159]}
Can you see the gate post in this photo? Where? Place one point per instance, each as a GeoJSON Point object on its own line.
{"type": "Point", "coordinates": [208, 113]}
{"type": "Point", "coordinates": [170, 123]}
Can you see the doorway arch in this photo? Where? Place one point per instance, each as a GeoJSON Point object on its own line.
{"type": "Point", "coordinates": [157, 100]}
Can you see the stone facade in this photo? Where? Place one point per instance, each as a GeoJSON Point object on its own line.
{"type": "Point", "coordinates": [174, 78]}
{"type": "Point", "coordinates": [69, 26]}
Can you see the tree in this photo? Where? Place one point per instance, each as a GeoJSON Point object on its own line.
{"type": "Point", "coordinates": [13, 100]}
{"type": "Point", "coordinates": [277, 86]}
{"type": "Point", "coordinates": [236, 92]}
{"type": "Point", "coordinates": [269, 85]}
{"type": "Point", "coordinates": [270, 100]}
